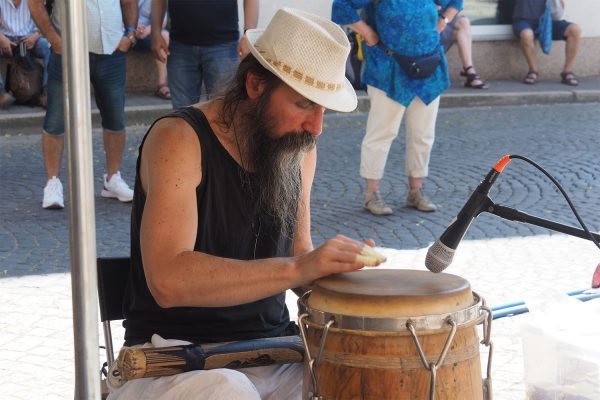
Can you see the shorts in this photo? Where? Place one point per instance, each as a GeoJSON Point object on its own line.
{"type": "Point", "coordinates": [446, 34]}
{"type": "Point", "coordinates": [558, 27]}
{"type": "Point", "coordinates": [107, 75]}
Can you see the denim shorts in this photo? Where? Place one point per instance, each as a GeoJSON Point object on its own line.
{"type": "Point", "coordinates": [558, 27]}
{"type": "Point", "coordinates": [107, 75]}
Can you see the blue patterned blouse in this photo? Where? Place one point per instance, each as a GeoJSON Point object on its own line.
{"type": "Point", "coordinates": [408, 27]}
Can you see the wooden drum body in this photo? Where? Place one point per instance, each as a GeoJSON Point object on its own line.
{"type": "Point", "coordinates": [392, 334]}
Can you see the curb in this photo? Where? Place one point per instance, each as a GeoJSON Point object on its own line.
{"type": "Point", "coordinates": [31, 122]}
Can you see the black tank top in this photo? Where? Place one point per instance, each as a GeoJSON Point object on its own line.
{"type": "Point", "coordinates": [228, 227]}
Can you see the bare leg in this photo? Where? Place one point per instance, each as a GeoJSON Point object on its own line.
{"type": "Point", "coordinates": [463, 39]}
{"type": "Point", "coordinates": [573, 35]}
{"type": "Point", "coordinates": [464, 42]}
{"type": "Point", "coordinates": [114, 144]}
{"type": "Point", "coordinates": [528, 47]}
{"type": "Point", "coordinates": [161, 67]}
{"type": "Point", "coordinates": [52, 147]}
{"type": "Point", "coordinates": [415, 183]}
{"type": "Point", "coordinates": [372, 185]}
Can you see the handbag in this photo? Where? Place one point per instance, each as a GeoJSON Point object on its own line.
{"type": "Point", "coordinates": [544, 29]}
{"type": "Point", "coordinates": [416, 67]}
{"type": "Point", "coordinates": [24, 78]}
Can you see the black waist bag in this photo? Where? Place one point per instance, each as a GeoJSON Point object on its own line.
{"type": "Point", "coordinates": [417, 67]}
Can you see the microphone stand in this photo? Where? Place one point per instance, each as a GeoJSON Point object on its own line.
{"type": "Point", "coordinates": [512, 214]}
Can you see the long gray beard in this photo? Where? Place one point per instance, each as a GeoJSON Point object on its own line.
{"type": "Point", "coordinates": [276, 163]}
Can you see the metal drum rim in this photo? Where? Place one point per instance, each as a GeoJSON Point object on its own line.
{"type": "Point", "coordinates": [468, 315]}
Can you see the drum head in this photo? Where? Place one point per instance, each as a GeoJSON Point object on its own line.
{"type": "Point", "coordinates": [391, 293]}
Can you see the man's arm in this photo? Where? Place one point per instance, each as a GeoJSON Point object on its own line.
{"type": "Point", "coordinates": [302, 239]}
{"type": "Point", "coordinates": [178, 276]}
{"type": "Point", "coordinates": [129, 14]}
{"type": "Point", "coordinates": [157, 17]}
{"type": "Point", "coordinates": [250, 22]}
{"type": "Point", "coordinates": [40, 16]}
{"type": "Point", "coordinates": [129, 10]}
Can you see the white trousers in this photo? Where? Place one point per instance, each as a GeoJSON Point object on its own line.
{"type": "Point", "coordinates": [383, 124]}
{"type": "Point", "coordinates": [273, 382]}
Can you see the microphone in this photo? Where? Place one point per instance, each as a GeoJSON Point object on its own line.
{"type": "Point", "coordinates": [440, 254]}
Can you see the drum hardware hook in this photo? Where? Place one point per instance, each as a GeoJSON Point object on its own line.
{"type": "Point", "coordinates": [487, 333]}
{"type": "Point", "coordinates": [312, 361]}
{"type": "Point", "coordinates": [432, 367]}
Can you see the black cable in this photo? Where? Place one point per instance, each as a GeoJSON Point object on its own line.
{"type": "Point", "coordinates": [585, 228]}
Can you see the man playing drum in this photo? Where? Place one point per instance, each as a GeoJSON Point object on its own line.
{"type": "Point", "coordinates": [221, 212]}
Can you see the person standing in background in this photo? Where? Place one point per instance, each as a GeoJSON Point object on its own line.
{"type": "Point", "coordinates": [410, 28]}
{"type": "Point", "coordinates": [111, 28]}
{"type": "Point", "coordinates": [204, 47]}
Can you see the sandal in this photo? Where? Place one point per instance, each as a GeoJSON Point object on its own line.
{"type": "Point", "coordinates": [472, 79]}
{"type": "Point", "coordinates": [568, 78]}
{"type": "Point", "coordinates": [530, 78]}
{"type": "Point", "coordinates": [163, 92]}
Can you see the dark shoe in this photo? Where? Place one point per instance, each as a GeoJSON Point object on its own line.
{"type": "Point", "coordinates": [163, 92]}
{"type": "Point", "coordinates": [375, 204]}
{"type": "Point", "coordinates": [530, 78]}
{"type": "Point", "coordinates": [6, 100]}
{"type": "Point", "coordinates": [473, 81]}
{"type": "Point", "coordinates": [568, 78]}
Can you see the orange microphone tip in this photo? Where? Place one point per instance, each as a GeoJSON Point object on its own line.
{"type": "Point", "coordinates": [503, 162]}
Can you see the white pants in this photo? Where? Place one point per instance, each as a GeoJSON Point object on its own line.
{"type": "Point", "coordinates": [273, 382]}
{"type": "Point", "coordinates": [383, 124]}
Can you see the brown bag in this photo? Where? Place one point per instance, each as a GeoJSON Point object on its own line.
{"type": "Point", "coordinates": [24, 80]}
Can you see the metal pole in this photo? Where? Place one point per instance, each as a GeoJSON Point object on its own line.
{"type": "Point", "coordinates": [75, 63]}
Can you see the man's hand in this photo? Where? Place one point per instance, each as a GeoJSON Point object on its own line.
{"type": "Point", "coordinates": [441, 25]}
{"type": "Point", "coordinates": [339, 254]}
{"type": "Point", "coordinates": [6, 46]}
{"type": "Point", "coordinates": [142, 32]}
{"type": "Point", "coordinates": [369, 34]}
{"type": "Point", "coordinates": [159, 46]}
{"type": "Point", "coordinates": [125, 44]}
{"type": "Point", "coordinates": [30, 40]}
{"type": "Point", "coordinates": [242, 48]}
{"type": "Point", "coordinates": [371, 37]}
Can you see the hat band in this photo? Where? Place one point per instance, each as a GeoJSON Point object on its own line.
{"type": "Point", "coordinates": [301, 77]}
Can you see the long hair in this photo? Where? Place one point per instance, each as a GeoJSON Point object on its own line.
{"type": "Point", "coordinates": [236, 93]}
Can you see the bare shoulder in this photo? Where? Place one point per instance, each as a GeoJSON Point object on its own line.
{"type": "Point", "coordinates": [172, 148]}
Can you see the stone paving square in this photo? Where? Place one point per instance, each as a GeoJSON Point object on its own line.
{"type": "Point", "coordinates": [503, 261]}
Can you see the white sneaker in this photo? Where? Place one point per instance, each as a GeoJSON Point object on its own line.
{"type": "Point", "coordinates": [116, 188]}
{"type": "Point", "coordinates": [53, 194]}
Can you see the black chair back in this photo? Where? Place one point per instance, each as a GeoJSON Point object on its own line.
{"type": "Point", "coordinates": [112, 280]}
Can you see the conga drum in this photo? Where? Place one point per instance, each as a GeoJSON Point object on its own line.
{"type": "Point", "coordinates": [393, 334]}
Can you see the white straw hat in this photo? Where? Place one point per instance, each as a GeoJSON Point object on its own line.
{"type": "Point", "coordinates": [309, 54]}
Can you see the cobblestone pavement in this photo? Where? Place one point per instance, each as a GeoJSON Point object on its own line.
{"type": "Point", "coordinates": [504, 261]}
